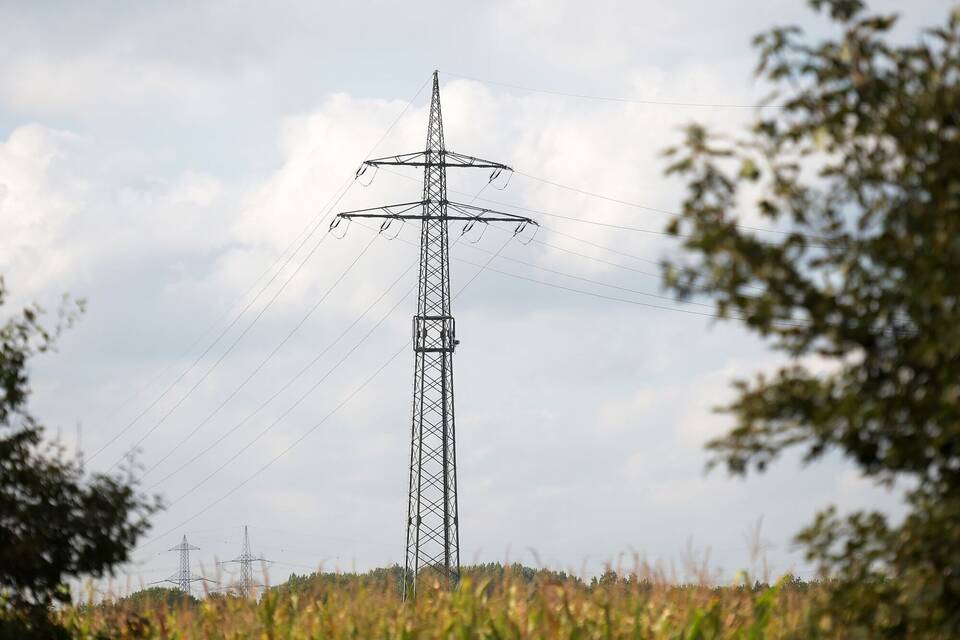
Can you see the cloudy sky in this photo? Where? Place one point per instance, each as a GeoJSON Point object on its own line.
{"type": "Point", "coordinates": [168, 161]}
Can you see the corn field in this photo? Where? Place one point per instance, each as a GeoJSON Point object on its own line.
{"type": "Point", "coordinates": [503, 607]}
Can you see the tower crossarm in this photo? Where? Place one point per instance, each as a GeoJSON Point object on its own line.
{"type": "Point", "coordinates": [245, 558]}
{"type": "Point", "coordinates": [242, 559]}
{"type": "Point", "coordinates": [437, 158]}
{"type": "Point", "coordinates": [483, 214]}
{"type": "Point", "coordinates": [176, 579]}
{"type": "Point", "coordinates": [415, 211]}
{"type": "Point", "coordinates": [400, 211]}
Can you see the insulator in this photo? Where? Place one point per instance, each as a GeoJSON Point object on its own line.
{"type": "Point", "coordinates": [335, 224]}
{"type": "Point", "coordinates": [534, 235]}
{"type": "Point", "coordinates": [483, 230]}
{"type": "Point", "coordinates": [505, 184]}
{"type": "Point", "coordinates": [372, 176]}
{"type": "Point", "coordinates": [386, 225]}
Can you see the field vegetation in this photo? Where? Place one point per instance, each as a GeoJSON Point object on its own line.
{"type": "Point", "coordinates": [492, 602]}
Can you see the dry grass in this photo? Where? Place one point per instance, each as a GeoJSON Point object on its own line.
{"type": "Point", "coordinates": [507, 607]}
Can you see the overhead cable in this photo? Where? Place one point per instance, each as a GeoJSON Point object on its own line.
{"type": "Point", "coordinates": [183, 440]}
{"type": "Point", "coordinates": [583, 96]}
{"type": "Point", "coordinates": [334, 199]}
{"type": "Point", "coordinates": [322, 421]}
{"type": "Point", "coordinates": [289, 382]}
{"type": "Point", "coordinates": [331, 203]}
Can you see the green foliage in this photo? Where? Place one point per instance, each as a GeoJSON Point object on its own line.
{"type": "Point", "coordinates": [380, 579]}
{"type": "Point", "coordinates": [861, 164]}
{"type": "Point", "coordinates": [496, 573]}
{"type": "Point", "coordinates": [55, 522]}
{"type": "Point", "coordinates": [389, 578]}
{"type": "Point", "coordinates": [153, 597]}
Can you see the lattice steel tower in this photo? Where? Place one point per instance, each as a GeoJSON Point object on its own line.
{"type": "Point", "coordinates": [246, 559]}
{"type": "Point", "coordinates": [183, 577]}
{"type": "Point", "coordinates": [433, 537]}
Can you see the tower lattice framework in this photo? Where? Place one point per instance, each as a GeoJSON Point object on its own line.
{"type": "Point", "coordinates": [247, 584]}
{"type": "Point", "coordinates": [183, 578]}
{"type": "Point", "coordinates": [433, 536]}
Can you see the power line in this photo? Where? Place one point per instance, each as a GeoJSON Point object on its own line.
{"type": "Point", "coordinates": [312, 362]}
{"type": "Point", "coordinates": [672, 214]}
{"type": "Point", "coordinates": [599, 283]}
{"type": "Point", "coordinates": [572, 276]}
{"type": "Point", "coordinates": [312, 535]}
{"type": "Point", "coordinates": [622, 227]}
{"type": "Point", "coordinates": [617, 201]}
{"type": "Point", "coordinates": [334, 199]}
{"type": "Point", "coordinates": [588, 280]}
{"type": "Point", "coordinates": [367, 381]}
{"type": "Point", "coordinates": [290, 381]}
{"type": "Point", "coordinates": [332, 202]}
{"type": "Point", "coordinates": [428, 190]}
{"type": "Point", "coordinates": [598, 246]}
{"type": "Point", "coordinates": [294, 565]}
{"type": "Point", "coordinates": [608, 262]}
{"type": "Point", "coordinates": [145, 571]}
{"type": "Point", "coordinates": [625, 300]}
{"type": "Point", "coordinates": [267, 359]}
{"type": "Point", "coordinates": [609, 98]}
{"type": "Point", "coordinates": [322, 421]}
{"type": "Point", "coordinates": [555, 215]}
{"type": "Point", "coordinates": [295, 404]}
{"type": "Point", "coordinates": [582, 240]}
{"type": "Point", "coordinates": [263, 468]}
{"type": "Point", "coordinates": [397, 119]}
{"type": "Point", "coordinates": [160, 373]}
{"type": "Point", "coordinates": [330, 371]}
{"type": "Point", "coordinates": [303, 320]}
{"type": "Point", "coordinates": [229, 347]}
{"type": "Point", "coordinates": [262, 310]}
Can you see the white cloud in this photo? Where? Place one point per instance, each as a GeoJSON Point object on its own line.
{"type": "Point", "coordinates": [68, 214]}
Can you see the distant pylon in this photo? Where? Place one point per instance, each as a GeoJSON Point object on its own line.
{"type": "Point", "coordinates": [246, 559]}
{"type": "Point", "coordinates": [183, 577]}
{"type": "Point", "coordinates": [433, 524]}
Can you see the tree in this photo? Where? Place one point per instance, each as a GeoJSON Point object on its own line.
{"type": "Point", "coordinates": [860, 162]}
{"type": "Point", "coordinates": [608, 578]}
{"type": "Point", "coordinates": [152, 597]}
{"type": "Point", "coordinates": [56, 522]}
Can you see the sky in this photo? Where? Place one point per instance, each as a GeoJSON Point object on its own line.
{"type": "Point", "coordinates": [174, 164]}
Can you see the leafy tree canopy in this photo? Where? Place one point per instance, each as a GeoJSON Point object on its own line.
{"type": "Point", "coordinates": [56, 522]}
{"type": "Point", "coordinates": [860, 161]}
{"type": "Point", "coordinates": [152, 597]}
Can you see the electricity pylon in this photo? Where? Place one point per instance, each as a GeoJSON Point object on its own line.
{"type": "Point", "coordinates": [433, 537]}
{"type": "Point", "coordinates": [183, 577]}
{"type": "Point", "coordinates": [245, 560]}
